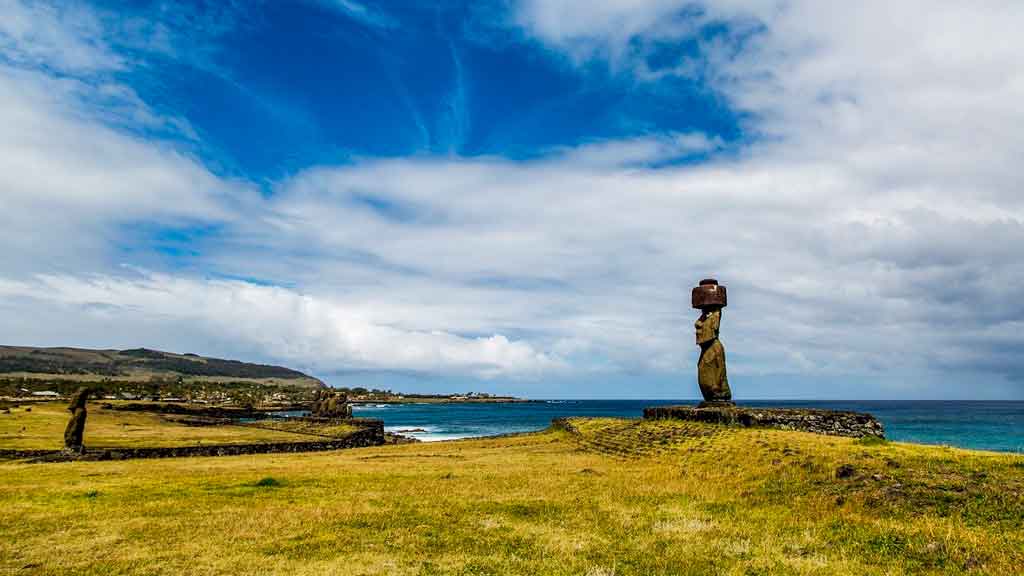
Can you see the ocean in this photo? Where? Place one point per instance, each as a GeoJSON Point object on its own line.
{"type": "Point", "coordinates": [967, 424]}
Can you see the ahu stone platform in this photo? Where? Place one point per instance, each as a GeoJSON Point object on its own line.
{"type": "Point", "coordinates": [370, 433]}
{"type": "Point", "coordinates": [831, 422]}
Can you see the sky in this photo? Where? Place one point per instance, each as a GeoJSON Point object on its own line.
{"type": "Point", "coordinates": [516, 196]}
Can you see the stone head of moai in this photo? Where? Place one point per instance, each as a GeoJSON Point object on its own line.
{"type": "Point", "coordinates": [710, 297]}
{"type": "Point", "coordinates": [78, 399]}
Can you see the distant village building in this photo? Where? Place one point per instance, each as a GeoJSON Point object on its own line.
{"type": "Point", "coordinates": [46, 394]}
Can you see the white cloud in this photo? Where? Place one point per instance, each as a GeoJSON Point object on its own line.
{"type": "Point", "coordinates": [602, 29]}
{"type": "Point", "coordinates": [75, 167]}
{"type": "Point", "coordinates": [595, 262]}
{"type": "Point", "coordinates": [67, 37]}
{"type": "Point", "coordinates": [881, 196]}
{"type": "Point", "coordinates": [275, 322]}
{"type": "Point", "coordinates": [641, 151]}
{"type": "Point", "coordinates": [68, 181]}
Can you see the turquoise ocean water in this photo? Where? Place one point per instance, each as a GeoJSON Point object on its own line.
{"type": "Point", "coordinates": [981, 425]}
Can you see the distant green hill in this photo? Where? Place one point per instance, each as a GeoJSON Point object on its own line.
{"type": "Point", "coordinates": [140, 365]}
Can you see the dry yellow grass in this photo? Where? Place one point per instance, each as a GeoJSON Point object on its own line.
{"type": "Point", "coordinates": [43, 428]}
{"type": "Point", "coordinates": [607, 500]}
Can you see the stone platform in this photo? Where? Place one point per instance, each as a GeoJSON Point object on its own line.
{"type": "Point", "coordinates": [831, 422]}
{"type": "Point", "coordinates": [370, 433]}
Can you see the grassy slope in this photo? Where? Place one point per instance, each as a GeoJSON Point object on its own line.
{"type": "Point", "coordinates": [43, 428]}
{"type": "Point", "coordinates": [709, 500]}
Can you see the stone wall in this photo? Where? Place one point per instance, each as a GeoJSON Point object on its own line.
{"type": "Point", "coordinates": [371, 433]}
{"type": "Point", "coordinates": [197, 410]}
{"type": "Point", "coordinates": [831, 422]}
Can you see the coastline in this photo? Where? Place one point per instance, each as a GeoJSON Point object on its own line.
{"type": "Point", "coordinates": [429, 400]}
{"type": "Point", "coordinates": [990, 426]}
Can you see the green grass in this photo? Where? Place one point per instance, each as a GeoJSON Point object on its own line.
{"type": "Point", "coordinates": [611, 499]}
{"type": "Point", "coordinates": [330, 430]}
{"type": "Point", "coordinates": [871, 441]}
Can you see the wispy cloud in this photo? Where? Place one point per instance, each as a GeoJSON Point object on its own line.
{"type": "Point", "coordinates": [71, 175]}
{"type": "Point", "coordinates": [360, 12]}
{"type": "Point", "coordinates": [62, 37]}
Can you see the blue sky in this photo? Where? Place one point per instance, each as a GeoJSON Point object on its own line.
{"type": "Point", "coordinates": [515, 196]}
{"type": "Point", "coordinates": [291, 85]}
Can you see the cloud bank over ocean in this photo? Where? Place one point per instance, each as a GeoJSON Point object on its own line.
{"type": "Point", "coordinates": [517, 197]}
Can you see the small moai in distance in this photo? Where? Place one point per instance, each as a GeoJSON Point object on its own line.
{"type": "Point", "coordinates": [710, 297]}
{"type": "Point", "coordinates": [75, 432]}
{"type": "Point", "coordinates": [329, 404]}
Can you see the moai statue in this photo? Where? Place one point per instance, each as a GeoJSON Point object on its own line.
{"type": "Point", "coordinates": [346, 408]}
{"type": "Point", "coordinates": [339, 406]}
{"type": "Point", "coordinates": [331, 405]}
{"type": "Point", "coordinates": [710, 297]}
{"type": "Point", "coordinates": [74, 433]}
{"type": "Point", "coordinates": [317, 399]}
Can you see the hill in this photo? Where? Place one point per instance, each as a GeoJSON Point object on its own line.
{"type": "Point", "coordinates": [139, 365]}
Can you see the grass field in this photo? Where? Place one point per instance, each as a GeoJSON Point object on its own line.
{"type": "Point", "coordinates": [43, 428]}
{"type": "Point", "coordinates": [615, 497]}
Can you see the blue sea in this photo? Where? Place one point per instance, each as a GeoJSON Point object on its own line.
{"type": "Point", "coordinates": [980, 425]}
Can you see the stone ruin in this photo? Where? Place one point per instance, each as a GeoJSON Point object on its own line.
{"type": "Point", "coordinates": [75, 432]}
{"type": "Point", "coordinates": [330, 404]}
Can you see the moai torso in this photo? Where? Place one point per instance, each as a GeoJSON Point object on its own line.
{"type": "Point", "coordinates": [707, 327]}
{"type": "Point", "coordinates": [75, 430]}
